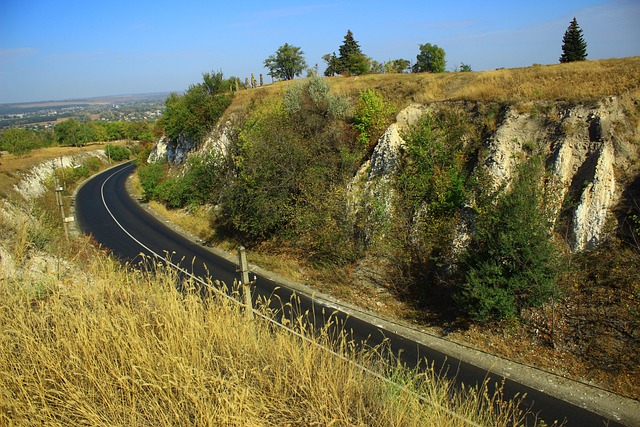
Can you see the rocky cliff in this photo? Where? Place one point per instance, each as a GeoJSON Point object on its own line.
{"type": "Point", "coordinates": [590, 151]}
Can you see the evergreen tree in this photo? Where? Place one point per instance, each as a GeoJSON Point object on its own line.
{"type": "Point", "coordinates": [574, 48]}
{"type": "Point", "coordinates": [351, 60]}
{"type": "Point", "coordinates": [512, 261]}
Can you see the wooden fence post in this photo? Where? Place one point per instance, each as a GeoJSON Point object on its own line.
{"type": "Point", "coordinates": [245, 282]}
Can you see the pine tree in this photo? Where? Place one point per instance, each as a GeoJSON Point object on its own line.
{"type": "Point", "coordinates": [574, 48]}
{"type": "Point", "coordinates": [351, 60]}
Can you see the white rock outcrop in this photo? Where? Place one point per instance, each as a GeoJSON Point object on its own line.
{"type": "Point", "coordinates": [172, 151]}
{"type": "Point", "coordinates": [578, 142]}
{"type": "Point", "coordinates": [590, 215]}
{"type": "Point", "coordinates": [33, 183]}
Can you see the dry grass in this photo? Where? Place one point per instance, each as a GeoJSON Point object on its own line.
{"type": "Point", "coordinates": [12, 167]}
{"type": "Point", "coordinates": [572, 82]}
{"type": "Point", "coordinates": [102, 345]}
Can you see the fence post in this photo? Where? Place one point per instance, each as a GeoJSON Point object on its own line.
{"type": "Point", "coordinates": [245, 282]}
{"type": "Point", "coordinates": [60, 202]}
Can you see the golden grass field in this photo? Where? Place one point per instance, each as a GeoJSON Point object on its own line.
{"type": "Point", "coordinates": [571, 82]}
{"type": "Point", "coordinates": [86, 341]}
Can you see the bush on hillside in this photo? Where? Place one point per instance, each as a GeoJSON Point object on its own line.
{"type": "Point", "coordinates": [117, 153]}
{"type": "Point", "coordinates": [372, 117]}
{"type": "Point", "coordinates": [513, 261]}
{"type": "Point", "coordinates": [22, 141]}
{"type": "Point", "coordinates": [195, 112]}
{"type": "Point", "coordinates": [292, 157]}
{"type": "Point", "coordinates": [151, 177]}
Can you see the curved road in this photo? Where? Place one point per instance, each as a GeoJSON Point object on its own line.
{"type": "Point", "coordinates": [104, 209]}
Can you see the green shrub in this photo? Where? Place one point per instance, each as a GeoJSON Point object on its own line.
{"type": "Point", "coordinates": [151, 177]}
{"type": "Point", "coordinates": [197, 184]}
{"type": "Point", "coordinates": [291, 156]}
{"type": "Point", "coordinates": [513, 261]}
{"type": "Point", "coordinates": [92, 164]}
{"type": "Point", "coordinates": [433, 171]}
{"type": "Point", "coordinates": [372, 117]}
{"type": "Point", "coordinates": [197, 111]}
{"type": "Point", "coordinates": [117, 153]}
{"type": "Point", "coordinates": [271, 158]}
{"type": "Point", "coordinates": [21, 141]}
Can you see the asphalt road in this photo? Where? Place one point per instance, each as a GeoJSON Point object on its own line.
{"type": "Point", "coordinates": [104, 209]}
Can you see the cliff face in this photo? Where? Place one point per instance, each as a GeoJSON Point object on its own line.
{"type": "Point", "coordinates": [590, 152]}
{"type": "Point", "coordinates": [586, 148]}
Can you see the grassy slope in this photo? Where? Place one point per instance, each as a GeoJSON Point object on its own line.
{"type": "Point", "coordinates": [85, 341]}
{"type": "Point", "coordinates": [597, 285]}
{"type": "Point", "coordinates": [573, 82]}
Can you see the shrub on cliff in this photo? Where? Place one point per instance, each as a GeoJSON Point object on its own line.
{"type": "Point", "coordinates": [512, 261]}
{"type": "Point", "coordinates": [195, 112]}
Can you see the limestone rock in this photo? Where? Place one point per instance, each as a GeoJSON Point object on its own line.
{"type": "Point", "coordinates": [172, 151]}
{"type": "Point", "coordinates": [590, 216]}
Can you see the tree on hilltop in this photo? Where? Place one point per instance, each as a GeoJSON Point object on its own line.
{"type": "Point", "coordinates": [574, 48]}
{"type": "Point", "coordinates": [430, 59]}
{"type": "Point", "coordinates": [397, 66]}
{"type": "Point", "coordinates": [287, 62]}
{"type": "Point", "coordinates": [332, 64]}
{"type": "Point", "coordinates": [351, 61]}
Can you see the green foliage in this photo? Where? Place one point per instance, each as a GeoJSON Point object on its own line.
{"type": "Point", "coordinates": [287, 62]}
{"type": "Point", "coordinates": [574, 48]}
{"type": "Point", "coordinates": [291, 160]}
{"type": "Point", "coordinates": [22, 141]}
{"type": "Point", "coordinates": [75, 133]}
{"type": "Point", "coordinates": [351, 61]}
{"type": "Point", "coordinates": [430, 59]}
{"type": "Point", "coordinates": [433, 171]}
{"type": "Point", "coordinates": [332, 64]}
{"type": "Point", "coordinates": [151, 177]}
{"type": "Point", "coordinates": [137, 131]}
{"type": "Point", "coordinates": [372, 116]}
{"type": "Point", "coordinates": [199, 183]}
{"type": "Point", "coordinates": [196, 112]}
{"type": "Point", "coordinates": [92, 164]}
{"type": "Point", "coordinates": [512, 262]}
{"type": "Point", "coordinates": [397, 66]}
{"type": "Point", "coordinates": [117, 153]}
{"type": "Point", "coordinates": [465, 68]}
{"type": "Point", "coordinates": [270, 162]}
{"type": "Point", "coordinates": [71, 133]}
{"type": "Point", "coordinates": [312, 101]}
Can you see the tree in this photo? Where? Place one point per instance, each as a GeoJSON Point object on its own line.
{"type": "Point", "coordinates": [430, 59]}
{"type": "Point", "coordinates": [574, 48]}
{"type": "Point", "coordinates": [287, 62]}
{"type": "Point", "coordinates": [332, 64]}
{"type": "Point", "coordinates": [197, 111]}
{"type": "Point", "coordinates": [375, 67]}
{"type": "Point", "coordinates": [512, 261]}
{"type": "Point", "coordinates": [351, 60]}
{"type": "Point", "coordinates": [70, 132]}
{"type": "Point", "coordinates": [396, 66]}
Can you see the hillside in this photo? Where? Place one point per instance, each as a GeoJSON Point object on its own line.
{"type": "Point", "coordinates": [497, 208]}
{"type": "Point", "coordinates": [88, 341]}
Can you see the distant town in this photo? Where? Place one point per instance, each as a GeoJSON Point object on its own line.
{"type": "Point", "coordinates": [44, 115]}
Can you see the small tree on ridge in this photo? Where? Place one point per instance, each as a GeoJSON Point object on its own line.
{"type": "Point", "coordinates": [430, 59]}
{"type": "Point", "coordinates": [287, 62]}
{"type": "Point", "coordinates": [574, 48]}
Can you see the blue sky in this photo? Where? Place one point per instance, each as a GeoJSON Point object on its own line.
{"type": "Point", "coordinates": [54, 50]}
